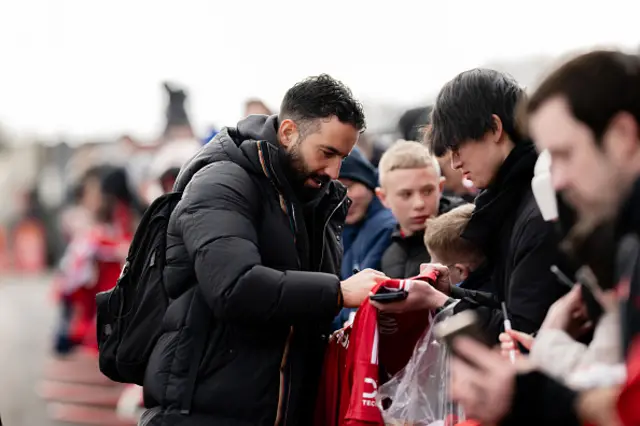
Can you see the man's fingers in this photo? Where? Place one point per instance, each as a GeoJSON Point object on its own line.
{"type": "Point", "coordinates": [505, 338]}
{"type": "Point", "coordinates": [377, 305]}
{"type": "Point", "coordinates": [409, 284]}
{"type": "Point", "coordinates": [440, 268]}
{"type": "Point", "coordinates": [524, 339]}
{"type": "Point", "coordinates": [380, 278]}
{"type": "Point", "coordinates": [506, 344]}
{"type": "Point", "coordinates": [373, 271]}
{"type": "Point", "coordinates": [437, 266]}
{"type": "Point", "coordinates": [393, 307]}
{"type": "Point", "coordinates": [575, 295]}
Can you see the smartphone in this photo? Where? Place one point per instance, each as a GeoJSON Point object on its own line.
{"type": "Point", "coordinates": [389, 295]}
{"type": "Point", "coordinates": [587, 279]}
{"type": "Point", "coordinates": [463, 324]}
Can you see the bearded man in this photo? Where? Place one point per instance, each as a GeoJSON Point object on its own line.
{"type": "Point", "coordinates": [255, 240]}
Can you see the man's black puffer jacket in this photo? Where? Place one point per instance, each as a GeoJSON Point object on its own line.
{"type": "Point", "coordinates": [255, 253]}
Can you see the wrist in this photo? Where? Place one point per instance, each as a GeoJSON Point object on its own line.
{"type": "Point", "coordinates": [441, 301]}
{"type": "Point", "coordinates": [446, 289]}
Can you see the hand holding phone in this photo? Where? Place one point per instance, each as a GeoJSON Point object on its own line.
{"type": "Point", "coordinates": [356, 288]}
{"type": "Point", "coordinates": [389, 295]}
{"type": "Point", "coordinates": [415, 294]}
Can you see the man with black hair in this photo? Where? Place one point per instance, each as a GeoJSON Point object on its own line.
{"type": "Point", "coordinates": [255, 238]}
{"type": "Point", "coordinates": [474, 119]}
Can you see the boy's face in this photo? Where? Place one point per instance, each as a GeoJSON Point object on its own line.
{"type": "Point", "coordinates": [413, 195]}
{"type": "Point", "coordinates": [361, 197]}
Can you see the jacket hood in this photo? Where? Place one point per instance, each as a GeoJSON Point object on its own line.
{"type": "Point", "coordinates": [254, 146]}
{"type": "Point", "coordinates": [239, 145]}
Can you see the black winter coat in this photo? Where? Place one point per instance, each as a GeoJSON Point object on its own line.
{"type": "Point", "coordinates": [266, 267]}
{"type": "Point", "coordinates": [519, 244]}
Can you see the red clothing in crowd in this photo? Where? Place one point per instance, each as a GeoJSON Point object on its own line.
{"type": "Point", "coordinates": [102, 258]}
{"type": "Point", "coordinates": [92, 264]}
{"type": "Point", "coordinates": [357, 356]}
{"type": "Point", "coordinates": [628, 407]}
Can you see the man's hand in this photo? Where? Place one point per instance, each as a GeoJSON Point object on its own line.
{"type": "Point", "coordinates": [485, 387]}
{"type": "Point", "coordinates": [422, 296]}
{"type": "Point", "coordinates": [443, 283]}
{"type": "Point", "coordinates": [508, 341]}
{"type": "Point", "coordinates": [357, 287]}
{"type": "Point", "coordinates": [568, 314]}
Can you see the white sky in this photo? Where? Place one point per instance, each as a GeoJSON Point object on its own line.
{"type": "Point", "coordinates": [88, 67]}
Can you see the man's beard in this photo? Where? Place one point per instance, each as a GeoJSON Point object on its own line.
{"type": "Point", "coordinates": [299, 173]}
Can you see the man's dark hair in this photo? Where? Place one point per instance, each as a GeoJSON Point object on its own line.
{"type": "Point", "coordinates": [596, 85]}
{"type": "Point", "coordinates": [464, 107]}
{"type": "Point", "coordinates": [321, 97]}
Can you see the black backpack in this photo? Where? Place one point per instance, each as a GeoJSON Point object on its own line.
{"type": "Point", "coordinates": [130, 315]}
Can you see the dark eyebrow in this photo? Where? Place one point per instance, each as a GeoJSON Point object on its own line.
{"type": "Point", "coordinates": [334, 151]}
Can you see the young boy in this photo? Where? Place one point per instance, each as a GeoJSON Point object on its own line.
{"type": "Point", "coordinates": [411, 187]}
{"type": "Point", "coordinates": [446, 246]}
{"type": "Point", "coordinates": [469, 273]}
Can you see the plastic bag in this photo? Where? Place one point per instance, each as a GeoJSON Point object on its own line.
{"type": "Point", "coordinates": [419, 394]}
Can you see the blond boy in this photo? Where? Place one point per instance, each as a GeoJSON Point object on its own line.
{"type": "Point", "coordinates": [411, 187]}
{"type": "Point", "coordinates": [446, 246]}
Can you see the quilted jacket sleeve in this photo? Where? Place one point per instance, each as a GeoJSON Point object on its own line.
{"type": "Point", "coordinates": [217, 218]}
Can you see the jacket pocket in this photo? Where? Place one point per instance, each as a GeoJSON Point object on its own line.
{"type": "Point", "coordinates": [219, 351]}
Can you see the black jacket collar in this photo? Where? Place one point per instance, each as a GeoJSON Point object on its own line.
{"type": "Point", "coordinates": [254, 146]}
{"type": "Point", "coordinates": [501, 198]}
{"type": "Point", "coordinates": [629, 216]}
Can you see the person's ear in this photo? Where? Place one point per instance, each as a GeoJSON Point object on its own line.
{"type": "Point", "coordinates": [621, 139]}
{"type": "Point", "coordinates": [463, 270]}
{"type": "Point", "coordinates": [382, 196]}
{"type": "Point", "coordinates": [287, 133]}
{"type": "Point", "coordinates": [497, 131]}
{"type": "Point", "coordinates": [443, 180]}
